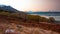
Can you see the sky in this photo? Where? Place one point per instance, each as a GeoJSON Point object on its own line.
{"type": "Point", "coordinates": [33, 5]}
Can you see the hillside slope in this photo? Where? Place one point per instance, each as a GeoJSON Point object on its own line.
{"type": "Point", "coordinates": [27, 28]}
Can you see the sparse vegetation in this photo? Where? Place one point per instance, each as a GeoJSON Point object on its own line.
{"type": "Point", "coordinates": [38, 18]}
{"type": "Point", "coordinates": [29, 17]}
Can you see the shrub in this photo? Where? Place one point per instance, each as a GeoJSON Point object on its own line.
{"type": "Point", "coordinates": [38, 18]}
{"type": "Point", "coordinates": [51, 19]}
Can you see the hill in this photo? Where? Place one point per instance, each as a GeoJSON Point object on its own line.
{"type": "Point", "coordinates": [25, 26]}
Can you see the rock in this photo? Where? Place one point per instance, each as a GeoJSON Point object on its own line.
{"type": "Point", "coordinates": [10, 31]}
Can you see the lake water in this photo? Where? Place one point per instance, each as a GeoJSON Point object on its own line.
{"type": "Point", "coordinates": [56, 15]}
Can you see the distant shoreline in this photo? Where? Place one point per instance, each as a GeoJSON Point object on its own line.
{"type": "Point", "coordinates": [57, 18]}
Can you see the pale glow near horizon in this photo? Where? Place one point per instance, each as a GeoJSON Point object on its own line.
{"type": "Point", "coordinates": [33, 5]}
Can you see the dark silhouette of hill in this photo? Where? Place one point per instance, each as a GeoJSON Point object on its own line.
{"type": "Point", "coordinates": [7, 8]}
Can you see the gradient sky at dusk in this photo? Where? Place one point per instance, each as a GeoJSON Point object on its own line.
{"type": "Point", "coordinates": [33, 5]}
